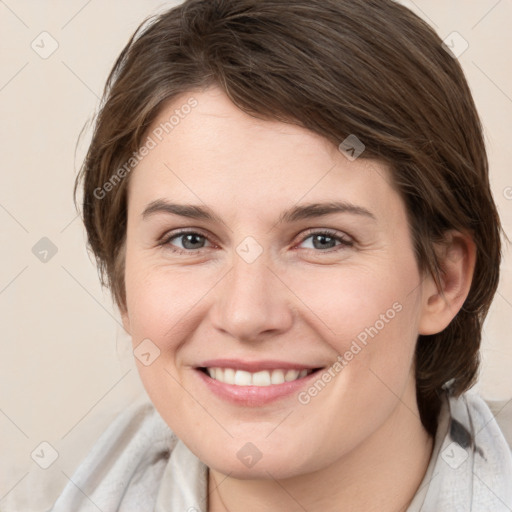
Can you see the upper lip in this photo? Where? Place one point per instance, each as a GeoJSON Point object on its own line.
{"type": "Point", "coordinates": [255, 366]}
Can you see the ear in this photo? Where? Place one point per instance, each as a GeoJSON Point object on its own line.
{"type": "Point", "coordinates": [457, 257]}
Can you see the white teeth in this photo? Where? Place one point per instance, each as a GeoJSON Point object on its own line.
{"type": "Point", "coordinates": [229, 375]}
{"type": "Point", "coordinates": [291, 375]}
{"type": "Point", "coordinates": [277, 377]}
{"type": "Point", "coordinates": [241, 378]}
{"type": "Point", "coordinates": [261, 378]}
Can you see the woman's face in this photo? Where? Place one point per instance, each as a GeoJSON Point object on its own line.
{"type": "Point", "coordinates": [260, 249]}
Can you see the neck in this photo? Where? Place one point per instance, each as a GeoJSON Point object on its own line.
{"type": "Point", "coordinates": [381, 474]}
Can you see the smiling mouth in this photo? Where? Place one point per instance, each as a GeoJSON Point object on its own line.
{"type": "Point", "coordinates": [260, 378]}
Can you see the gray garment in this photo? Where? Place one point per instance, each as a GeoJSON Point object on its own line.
{"type": "Point", "coordinates": [139, 465]}
{"type": "Point", "coordinates": [471, 464]}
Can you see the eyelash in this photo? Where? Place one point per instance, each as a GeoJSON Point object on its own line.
{"type": "Point", "coordinates": [344, 242]}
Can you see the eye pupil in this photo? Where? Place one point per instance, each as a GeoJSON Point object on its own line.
{"type": "Point", "coordinates": [320, 241]}
{"type": "Point", "coordinates": [324, 240]}
{"type": "Point", "coordinates": [191, 239]}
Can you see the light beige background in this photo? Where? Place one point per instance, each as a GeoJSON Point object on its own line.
{"type": "Point", "coordinates": [66, 364]}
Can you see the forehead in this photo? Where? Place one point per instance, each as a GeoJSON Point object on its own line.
{"type": "Point", "coordinates": [217, 154]}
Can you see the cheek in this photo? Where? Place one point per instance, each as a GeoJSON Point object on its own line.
{"type": "Point", "coordinates": [352, 301]}
{"type": "Point", "coordinates": [163, 302]}
{"type": "Point", "coordinates": [343, 304]}
{"type": "Point", "coordinates": [369, 316]}
{"type": "Point", "coordinates": [160, 305]}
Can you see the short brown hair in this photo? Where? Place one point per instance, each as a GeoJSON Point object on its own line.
{"type": "Point", "coordinates": [336, 67]}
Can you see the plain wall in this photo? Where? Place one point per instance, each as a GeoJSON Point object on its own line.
{"type": "Point", "coordinates": [67, 366]}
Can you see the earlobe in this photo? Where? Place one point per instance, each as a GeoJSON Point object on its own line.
{"type": "Point", "coordinates": [457, 258]}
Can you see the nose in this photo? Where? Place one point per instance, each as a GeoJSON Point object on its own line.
{"type": "Point", "coordinates": [251, 302]}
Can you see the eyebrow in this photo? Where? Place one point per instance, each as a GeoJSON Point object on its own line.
{"type": "Point", "coordinates": [294, 214]}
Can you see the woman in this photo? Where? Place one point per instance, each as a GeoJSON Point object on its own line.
{"type": "Point", "coordinates": [290, 203]}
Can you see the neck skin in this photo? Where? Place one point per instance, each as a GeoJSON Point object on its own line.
{"type": "Point", "coordinates": [381, 474]}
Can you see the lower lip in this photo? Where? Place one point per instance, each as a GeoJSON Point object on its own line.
{"type": "Point", "coordinates": [254, 396]}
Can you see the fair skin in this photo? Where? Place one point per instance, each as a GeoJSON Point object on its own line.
{"type": "Point", "coordinates": [359, 441]}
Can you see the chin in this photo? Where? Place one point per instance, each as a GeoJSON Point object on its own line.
{"type": "Point", "coordinates": [272, 467]}
{"type": "Point", "coordinates": [244, 460]}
